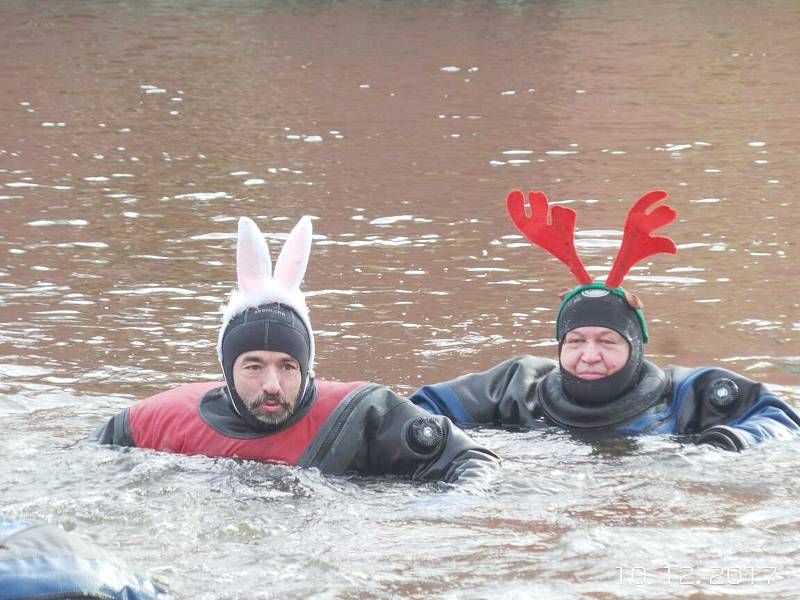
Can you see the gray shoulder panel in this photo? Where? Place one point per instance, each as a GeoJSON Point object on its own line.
{"type": "Point", "coordinates": [324, 444]}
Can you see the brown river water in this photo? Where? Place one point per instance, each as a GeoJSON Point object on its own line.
{"type": "Point", "coordinates": [133, 135]}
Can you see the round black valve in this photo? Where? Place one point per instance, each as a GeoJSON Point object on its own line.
{"type": "Point", "coordinates": [723, 393]}
{"type": "Point", "coordinates": [424, 434]}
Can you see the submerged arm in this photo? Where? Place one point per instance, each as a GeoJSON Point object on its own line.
{"type": "Point", "coordinates": [116, 431]}
{"type": "Point", "coordinates": [735, 413]}
{"type": "Point", "coordinates": [388, 435]}
{"type": "Point", "coordinates": [769, 419]}
{"type": "Point", "coordinates": [408, 440]}
{"type": "Point", "coordinates": [503, 395]}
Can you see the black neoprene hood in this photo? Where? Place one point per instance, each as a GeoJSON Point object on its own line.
{"type": "Point", "coordinates": [598, 306]}
{"type": "Point", "coordinates": [274, 327]}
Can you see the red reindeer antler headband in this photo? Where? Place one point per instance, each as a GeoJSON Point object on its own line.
{"type": "Point", "coordinates": [553, 229]}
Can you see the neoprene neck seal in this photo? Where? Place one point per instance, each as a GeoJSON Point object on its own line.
{"type": "Point", "coordinates": [560, 407]}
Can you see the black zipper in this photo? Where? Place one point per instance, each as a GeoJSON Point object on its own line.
{"type": "Point", "coordinates": [336, 429]}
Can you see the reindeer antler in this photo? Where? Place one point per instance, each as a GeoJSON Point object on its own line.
{"type": "Point", "coordinates": [637, 243]}
{"type": "Point", "coordinates": [551, 229]}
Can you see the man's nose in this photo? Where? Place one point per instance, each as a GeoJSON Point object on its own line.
{"type": "Point", "coordinates": [271, 384]}
{"type": "Point", "coordinates": [591, 352]}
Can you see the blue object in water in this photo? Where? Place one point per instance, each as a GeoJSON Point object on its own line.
{"type": "Point", "coordinates": [41, 561]}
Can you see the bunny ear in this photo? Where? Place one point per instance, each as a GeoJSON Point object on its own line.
{"type": "Point", "coordinates": [253, 265]}
{"type": "Point", "coordinates": [293, 259]}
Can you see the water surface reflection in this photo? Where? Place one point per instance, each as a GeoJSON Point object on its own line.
{"type": "Point", "coordinates": [133, 135]}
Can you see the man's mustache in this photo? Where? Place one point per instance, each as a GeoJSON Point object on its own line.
{"type": "Point", "coordinates": [264, 398]}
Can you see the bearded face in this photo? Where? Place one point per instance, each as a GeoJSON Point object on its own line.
{"type": "Point", "coordinates": [268, 383]}
{"type": "Point", "coordinates": [272, 409]}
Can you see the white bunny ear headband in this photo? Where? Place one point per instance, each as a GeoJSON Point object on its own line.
{"type": "Point", "coordinates": [256, 282]}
